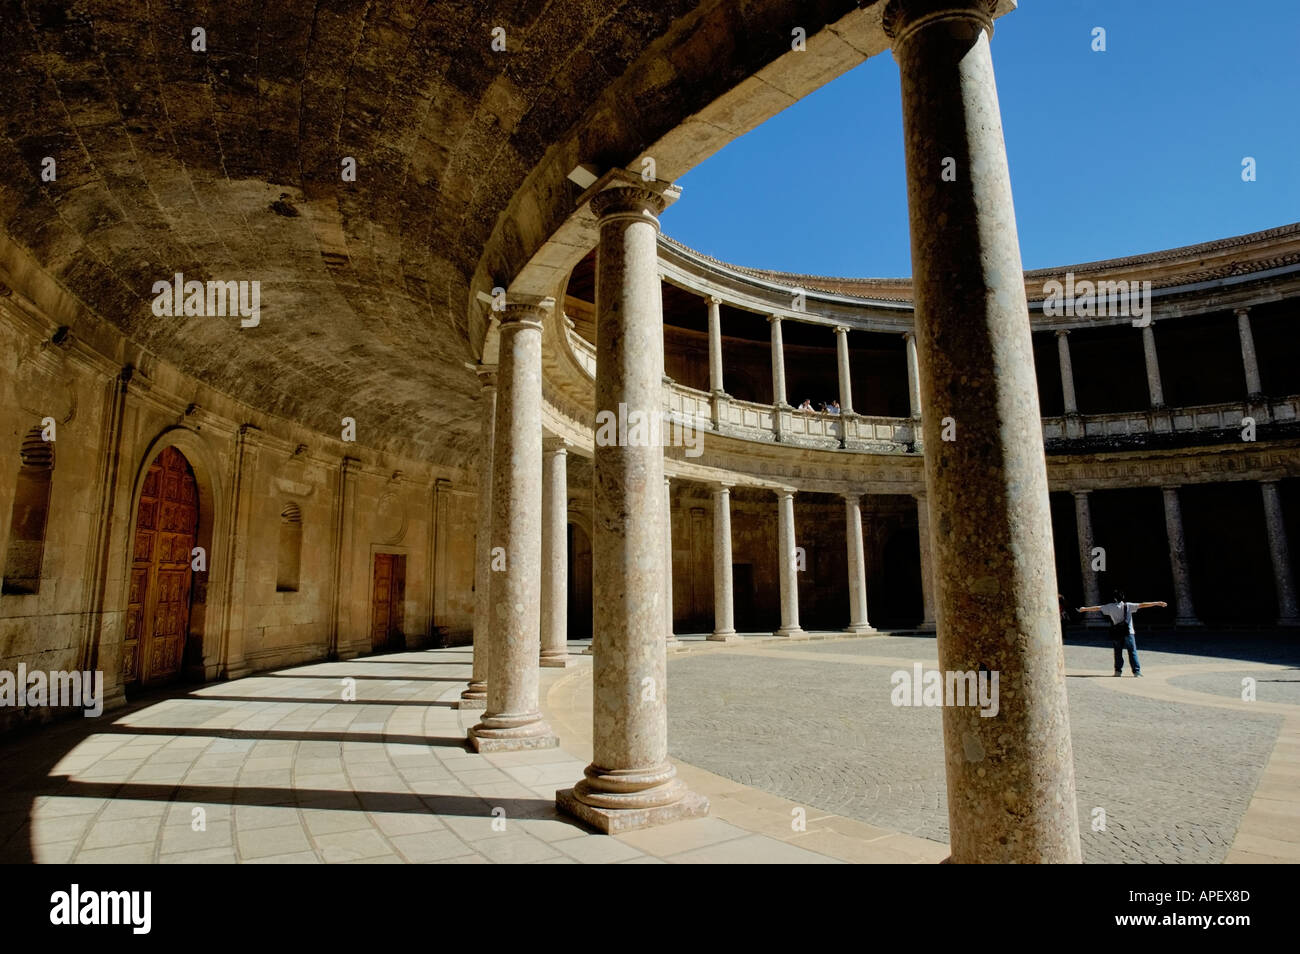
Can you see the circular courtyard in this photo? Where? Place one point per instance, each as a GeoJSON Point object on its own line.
{"type": "Point", "coordinates": [1166, 765]}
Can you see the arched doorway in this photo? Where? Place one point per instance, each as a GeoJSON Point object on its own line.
{"type": "Point", "coordinates": [580, 579]}
{"type": "Point", "coordinates": [158, 605]}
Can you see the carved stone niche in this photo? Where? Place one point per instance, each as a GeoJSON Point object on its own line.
{"type": "Point", "coordinates": [390, 518]}
{"type": "Point", "coordinates": [294, 479]}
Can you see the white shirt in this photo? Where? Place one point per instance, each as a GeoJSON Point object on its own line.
{"type": "Point", "coordinates": [1115, 612]}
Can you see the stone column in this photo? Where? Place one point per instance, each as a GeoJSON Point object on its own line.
{"type": "Point", "coordinates": [717, 390]}
{"type": "Point", "coordinates": [1067, 372]}
{"type": "Point", "coordinates": [1284, 580]}
{"type": "Point", "coordinates": [630, 782]}
{"type": "Point", "coordinates": [778, 364]}
{"type": "Point", "coordinates": [1254, 389]}
{"type": "Point", "coordinates": [1011, 794]}
{"type": "Point", "coordinates": [724, 606]}
{"type": "Point", "coordinates": [1153, 366]}
{"type": "Point", "coordinates": [1184, 613]}
{"type": "Point", "coordinates": [475, 694]}
{"type": "Point", "coordinates": [928, 623]}
{"type": "Point", "coordinates": [913, 376]}
{"type": "Point", "coordinates": [512, 719]}
{"type": "Point", "coordinates": [555, 558]}
{"type": "Point", "coordinates": [846, 380]}
{"type": "Point", "coordinates": [787, 569]}
{"type": "Point", "coordinates": [671, 639]}
{"type": "Point", "coordinates": [1083, 526]}
{"type": "Point", "coordinates": [715, 346]}
{"type": "Point", "coordinates": [858, 622]}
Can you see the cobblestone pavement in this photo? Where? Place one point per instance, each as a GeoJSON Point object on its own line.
{"type": "Point", "coordinates": [813, 722]}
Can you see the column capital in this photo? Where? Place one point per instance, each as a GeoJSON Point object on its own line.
{"type": "Point", "coordinates": [627, 199]}
{"type": "Point", "coordinates": [555, 445]}
{"type": "Point", "coordinates": [1242, 312]}
{"type": "Point", "coordinates": [783, 492]}
{"type": "Point", "coordinates": [1062, 332]}
{"type": "Point", "coordinates": [524, 312]}
{"type": "Point", "coordinates": [1080, 493]}
{"type": "Point", "coordinates": [853, 496]}
{"type": "Point", "coordinates": [909, 335]}
{"type": "Point", "coordinates": [714, 300]}
{"type": "Point", "coordinates": [841, 329]}
{"type": "Point", "coordinates": [904, 17]}
{"type": "Point", "coordinates": [1170, 488]}
{"type": "Point", "coordinates": [721, 487]}
{"type": "Point", "coordinates": [774, 319]}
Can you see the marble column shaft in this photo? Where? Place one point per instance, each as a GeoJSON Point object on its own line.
{"type": "Point", "coordinates": [668, 563]}
{"type": "Point", "coordinates": [913, 376]}
{"type": "Point", "coordinates": [778, 363]}
{"type": "Point", "coordinates": [1067, 372]}
{"type": "Point", "coordinates": [1011, 794]}
{"type": "Point", "coordinates": [787, 567]}
{"type": "Point", "coordinates": [724, 616]}
{"type": "Point", "coordinates": [1184, 611]}
{"type": "Point", "coordinates": [630, 781]}
{"type": "Point", "coordinates": [842, 362]}
{"type": "Point", "coordinates": [715, 346]}
{"type": "Point", "coordinates": [1280, 551]}
{"type": "Point", "coordinates": [858, 622]}
{"type": "Point", "coordinates": [513, 719]}
{"type": "Point", "coordinates": [555, 556]}
{"type": "Point", "coordinates": [1083, 527]}
{"type": "Point", "coordinates": [1249, 361]}
{"type": "Point", "coordinates": [475, 694]}
{"type": "Point", "coordinates": [1152, 359]}
{"type": "Point", "coordinates": [928, 622]}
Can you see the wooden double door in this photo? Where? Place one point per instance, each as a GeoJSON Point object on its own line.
{"type": "Point", "coordinates": [387, 606]}
{"type": "Point", "coordinates": [158, 607]}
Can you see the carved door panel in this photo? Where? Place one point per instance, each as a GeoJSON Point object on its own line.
{"type": "Point", "coordinates": [386, 608]}
{"type": "Point", "coordinates": [158, 604]}
{"type": "Point", "coordinates": [379, 607]}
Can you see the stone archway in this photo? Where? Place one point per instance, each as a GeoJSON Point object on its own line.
{"type": "Point", "coordinates": [163, 564]}
{"type": "Point", "coordinates": [201, 652]}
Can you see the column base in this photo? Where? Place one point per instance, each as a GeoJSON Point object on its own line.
{"type": "Point", "coordinates": [473, 697]}
{"type": "Point", "coordinates": [927, 626]}
{"type": "Point", "coordinates": [793, 632]}
{"type": "Point", "coordinates": [613, 821]}
{"type": "Point", "coordinates": [471, 703]}
{"type": "Point", "coordinates": [589, 651]}
{"type": "Point", "coordinates": [535, 735]}
{"type": "Point", "coordinates": [861, 629]}
{"type": "Point", "coordinates": [554, 662]}
{"type": "Point", "coordinates": [729, 636]}
{"type": "Point", "coordinates": [1188, 622]}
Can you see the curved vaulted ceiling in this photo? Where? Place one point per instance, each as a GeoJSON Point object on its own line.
{"type": "Point", "coordinates": [226, 165]}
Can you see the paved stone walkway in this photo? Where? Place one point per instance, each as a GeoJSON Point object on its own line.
{"type": "Point", "coordinates": [800, 759]}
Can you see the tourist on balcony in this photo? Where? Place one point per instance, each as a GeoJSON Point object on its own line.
{"type": "Point", "coordinates": [806, 405]}
{"type": "Point", "coordinates": [833, 408]}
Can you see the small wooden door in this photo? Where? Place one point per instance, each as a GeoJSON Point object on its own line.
{"type": "Point", "coordinates": [158, 606]}
{"type": "Point", "coordinates": [387, 614]}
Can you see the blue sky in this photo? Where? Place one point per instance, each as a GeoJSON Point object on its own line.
{"type": "Point", "coordinates": [1132, 150]}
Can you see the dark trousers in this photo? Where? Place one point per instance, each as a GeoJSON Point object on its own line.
{"type": "Point", "coordinates": [1122, 639]}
